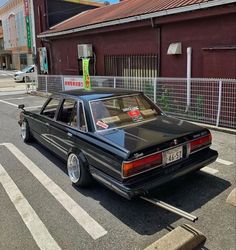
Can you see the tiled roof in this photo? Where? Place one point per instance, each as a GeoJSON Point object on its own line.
{"type": "Point", "coordinates": [122, 10]}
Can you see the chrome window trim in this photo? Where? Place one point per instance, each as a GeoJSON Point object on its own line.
{"type": "Point", "coordinates": [57, 109]}
{"type": "Point", "coordinates": [85, 119]}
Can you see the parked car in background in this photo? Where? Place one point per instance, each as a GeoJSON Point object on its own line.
{"type": "Point", "coordinates": [118, 137]}
{"type": "Point", "coordinates": [27, 74]}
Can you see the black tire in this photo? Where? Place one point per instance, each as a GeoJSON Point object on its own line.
{"type": "Point", "coordinates": [78, 171]}
{"type": "Point", "coordinates": [25, 132]}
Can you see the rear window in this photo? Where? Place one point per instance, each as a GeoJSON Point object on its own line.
{"type": "Point", "coordinates": [122, 111]}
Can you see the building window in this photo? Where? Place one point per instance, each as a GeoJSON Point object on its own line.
{"type": "Point", "coordinates": [131, 65]}
{"type": "Point", "coordinates": [23, 60]}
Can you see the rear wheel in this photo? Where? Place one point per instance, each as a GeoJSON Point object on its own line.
{"type": "Point", "coordinates": [77, 171]}
{"type": "Point", "coordinates": [25, 132]}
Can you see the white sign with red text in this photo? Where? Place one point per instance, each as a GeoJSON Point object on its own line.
{"type": "Point", "coordinates": [73, 83]}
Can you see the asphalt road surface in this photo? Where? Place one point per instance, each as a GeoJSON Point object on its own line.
{"type": "Point", "coordinates": [7, 73]}
{"type": "Point", "coordinates": [40, 209]}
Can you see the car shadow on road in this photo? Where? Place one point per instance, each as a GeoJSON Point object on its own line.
{"type": "Point", "coordinates": [188, 193]}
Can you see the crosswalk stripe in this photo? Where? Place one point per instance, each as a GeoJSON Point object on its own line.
{"type": "Point", "coordinates": [9, 103]}
{"type": "Point", "coordinates": [209, 170]}
{"type": "Point", "coordinates": [94, 229]}
{"type": "Point", "coordinates": [42, 237]}
{"type": "Point", "coordinates": [228, 163]}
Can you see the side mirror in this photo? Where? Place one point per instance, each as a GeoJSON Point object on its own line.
{"type": "Point", "coordinates": [21, 106]}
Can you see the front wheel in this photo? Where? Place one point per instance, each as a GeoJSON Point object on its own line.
{"type": "Point", "coordinates": [25, 132]}
{"type": "Point", "coordinates": [77, 171]}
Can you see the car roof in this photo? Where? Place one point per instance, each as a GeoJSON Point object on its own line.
{"type": "Point", "coordinates": [98, 93]}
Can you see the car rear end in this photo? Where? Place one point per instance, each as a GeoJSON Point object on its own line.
{"type": "Point", "coordinates": [152, 170]}
{"type": "Point", "coordinates": [160, 148]}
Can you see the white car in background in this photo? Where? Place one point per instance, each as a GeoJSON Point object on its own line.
{"type": "Point", "coordinates": [27, 74]}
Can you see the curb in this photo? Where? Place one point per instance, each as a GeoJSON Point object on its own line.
{"type": "Point", "coordinates": [231, 199]}
{"type": "Point", "coordinates": [184, 237]}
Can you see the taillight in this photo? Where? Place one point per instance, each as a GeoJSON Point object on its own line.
{"type": "Point", "coordinates": [138, 166]}
{"type": "Point", "coordinates": [201, 142]}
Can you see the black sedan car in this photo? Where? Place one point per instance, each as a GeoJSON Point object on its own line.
{"type": "Point", "coordinates": [118, 137]}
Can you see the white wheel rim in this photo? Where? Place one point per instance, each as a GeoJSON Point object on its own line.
{"type": "Point", "coordinates": [23, 130]}
{"type": "Point", "coordinates": [73, 167]}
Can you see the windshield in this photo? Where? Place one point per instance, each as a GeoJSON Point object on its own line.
{"type": "Point", "coordinates": [27, 69]}
{"type": "Point", "coordinates": [122, 111]}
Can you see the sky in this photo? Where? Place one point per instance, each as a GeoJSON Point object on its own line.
{"type": "Point", "coordinates": [110, 1]}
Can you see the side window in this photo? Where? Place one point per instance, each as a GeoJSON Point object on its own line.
{"type": "Point", "coordinates": [74, 120]}
{"type": "Point", "coordinates": [51, 108]}
{"type": "Point", "coordinates": [82, 119]}
{"type": "Point", "coordinates": [67, 110]}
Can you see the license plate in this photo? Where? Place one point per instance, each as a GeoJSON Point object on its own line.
{"type": "Point", "coordinates": [174, 154]}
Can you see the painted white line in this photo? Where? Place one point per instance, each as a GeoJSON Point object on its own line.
{"type": "Point", "coordinates": [11, 92]}
{"type": "Point", "coordinates": [16, 98]}
{"type": "Point", "coordinates": [9, 103]}
{"type": "Point", "coordinates": [80, 215]}
{"type": "Point", "coordinates": [228, 163]}
{"type": "Point", "coordinates": [33, 107]}
{"type": "Point", "coordinates": [16, 105]}
{"type": "Point", "coordinates": [36, 227]}
{"type": "Point", "coordinates": [209, 170]}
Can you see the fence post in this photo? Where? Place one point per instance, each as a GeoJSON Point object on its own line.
{"type": "Point", "coordinates": [189, 65]}
{"type": "Point", "coordinates": [62, 83]}
{"type": "Point", "coordinates": [155, 90]}
{"type": "Point", "coordinates": [219, 104]}
{"type": "Point", "coordinates": [114, 82]}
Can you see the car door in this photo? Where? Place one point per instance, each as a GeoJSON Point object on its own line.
{"type": "Point", "coordinates": [46, 120]}
{"type": "Point", "coordinates": [63, 127]}
{"type": "Point", "coordinates": [68, 126]}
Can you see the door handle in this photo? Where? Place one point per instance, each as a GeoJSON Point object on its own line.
{"type": "Point", "coordinates": [47, 124]}
{"type": "Point", "coordinates": [69, 134]}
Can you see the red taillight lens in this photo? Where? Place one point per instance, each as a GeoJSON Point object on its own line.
{"type": "Point", "coordinates": [201, 142]}
{"type": "Point", "coordinates": [137, 166]}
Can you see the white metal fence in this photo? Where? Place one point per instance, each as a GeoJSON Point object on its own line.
{"type": "Point", "coordinates": [211, 101]}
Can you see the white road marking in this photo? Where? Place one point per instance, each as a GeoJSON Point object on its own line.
{"type": "Point", "coordinates": [16, 105]}
{"type": "Point", "coordinates": [16, 98]}
{"type": "Point", "coordinates": [228, 163]}
{"type": "Point", "coordinates": [33, 107]}
{"type": "Point", "coordinates": [11, 92]}
{"type": "Point", "coordinates": [209, 170]}
{"type": "Point", "coordinates": [94, 229]}
{"type": "Point", "coordinates": [9, 103]}
{"type": "Point", "coordinates": [36, 227]}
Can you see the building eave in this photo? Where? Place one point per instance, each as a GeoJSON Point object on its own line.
{"type": "Point", "coordinates": [142, 17]}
